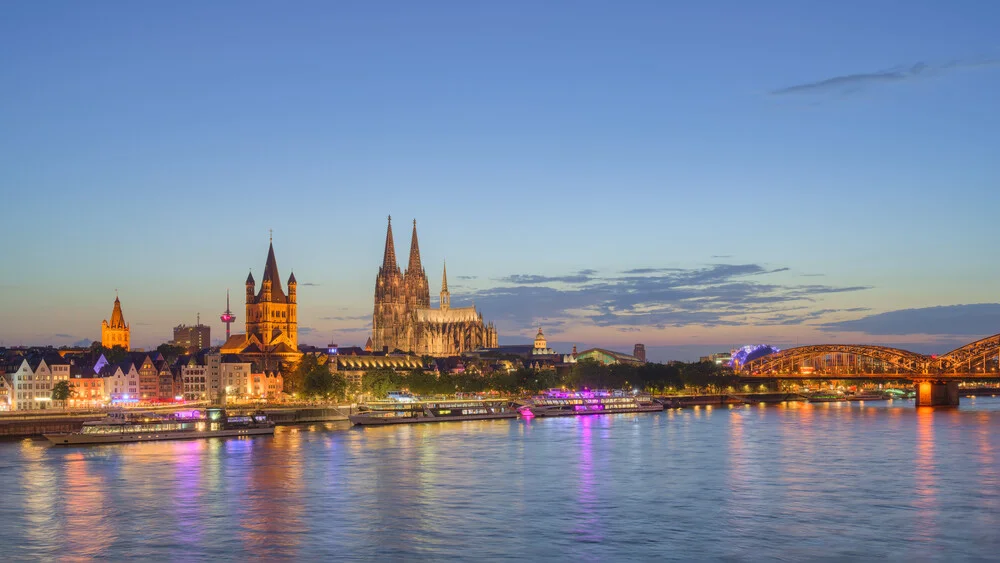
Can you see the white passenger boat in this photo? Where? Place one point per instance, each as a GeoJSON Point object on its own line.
{"type": "Point", "coordinates": [125, 427]}
{"type": "Point", "coordinates": [411, 410]}
{"type": "Point", "coordinates": [558, 402]}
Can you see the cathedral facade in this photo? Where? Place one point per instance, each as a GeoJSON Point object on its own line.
{"type": "Point", "coordinates": [404, 320]}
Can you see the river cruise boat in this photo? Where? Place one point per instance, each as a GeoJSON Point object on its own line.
{"type": "Point", "coordinates": [557, 402]}
{"type": "Point", "coordinates": [126, 427]}
{"type": "Point", "coordinates": [868, 396]}
{"type": "Point", "coordinates": [411, 410]}
{"type": "Point", "coordinates": [826, 397]}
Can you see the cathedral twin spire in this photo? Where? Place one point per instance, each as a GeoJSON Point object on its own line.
{"type": "Point", "coordinates": [414, 264]}
{"type": "Point", "coordinates": [413, 287]}
{"type": "Point", "coordinates": [399, 321]}
{"type": "Point", "coordinates": [389, 263]}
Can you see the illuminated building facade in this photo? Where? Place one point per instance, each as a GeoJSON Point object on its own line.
{"type": "Point", "coordinates": [116, 332]}
{"type": "Point", "coordinates": [640, 352]}
{"type": "Point", "coordinates": [541, 347]}
{"type": "Point", "coordinates": [719, 358]}
{"type": "Point", "coordinates": [194, 380]}
{"type": "Point", "coordinates": [87, 390]}
{"type": "Point", "coordinates": [29, 380]}
{"type": "Point", "coordinates": [607, 357]}
{"type": "Point", "coordinates": [271, 319]}
{"type": "Point", "coordinates": [193, 338]}
{"type": "Point", "coordinates": [267, 385]}
{"type": "Point", "coordinates": [4, 394]}
{"type": "Point", "coordinates": [121, 382]}
{"type": "Point", "coordinates": [404, 320]}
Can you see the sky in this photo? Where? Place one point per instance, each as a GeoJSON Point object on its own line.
{"type": "Point", "coordinates": [693, 176]}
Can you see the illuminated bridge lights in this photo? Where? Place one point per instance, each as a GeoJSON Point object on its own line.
{"type": "Point", "coordinates": [980, 356]}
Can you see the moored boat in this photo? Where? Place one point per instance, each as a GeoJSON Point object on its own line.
{"type": "Point", "coordinates": [823, 397]}
{"type": "Point", "coordinates": [557, 402]}
{"type": "Point", "coordinates": [868, 396]}
{"type": "Point", "coordinates": [122, 427]}
{"type": "Point", "coordinates": [412, 410]}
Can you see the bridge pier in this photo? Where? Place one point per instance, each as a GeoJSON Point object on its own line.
{"type": "Point", "coordinates": [937, 394]}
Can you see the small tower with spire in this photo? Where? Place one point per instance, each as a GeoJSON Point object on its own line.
{"type": "Point", "coordinates": [116, 332]}
{"type": "Point", "coordinates": [445, 295]}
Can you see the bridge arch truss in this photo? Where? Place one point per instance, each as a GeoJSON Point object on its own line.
{"type": "Point", "coordinates": [981, 355]}
{"type": "Point", "coordinates": [850, 357]}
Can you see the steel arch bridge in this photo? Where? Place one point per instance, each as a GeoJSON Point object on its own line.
{"type": "Point", "coordinates": [973, 353]}
{"type": "Point", "coordinates": [971, 358]}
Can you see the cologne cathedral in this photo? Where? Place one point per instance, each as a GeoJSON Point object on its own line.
{"type": "Point", "coordinates": [404, 320]}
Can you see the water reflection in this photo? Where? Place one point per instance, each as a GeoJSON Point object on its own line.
{"type": "Point", "coordinates": [587, 526]}
{"type": "Point", "coordinates": [793, 482]}
{"type": "Point", "coordinates": [86, 526]}
{"type": "Point", "coordinates": [188, 493]}
{"type": "Point", "coordinates": [925, 480]}
{"type": "Point", "coordinates": [269, 501]}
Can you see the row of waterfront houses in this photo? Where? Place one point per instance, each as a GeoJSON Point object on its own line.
{"type": "Point", "coordinates": [29, 376]}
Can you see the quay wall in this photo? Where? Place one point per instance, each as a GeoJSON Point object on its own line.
{"type": "Point", "coordinates": [301, 416]}
{"type": "Point", "coordinates": [681, 401]}
{"type": "Point", "coordinates": [37, 424]}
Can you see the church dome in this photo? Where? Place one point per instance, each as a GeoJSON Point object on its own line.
{"type": "Point", "coordinates": [540, 339]}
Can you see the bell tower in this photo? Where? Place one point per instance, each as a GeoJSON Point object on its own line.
{"type": "Point", "coordinates": [116, 332]}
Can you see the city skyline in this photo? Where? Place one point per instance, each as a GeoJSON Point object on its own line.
{"type": "Point", "coordinates": [652, 175]}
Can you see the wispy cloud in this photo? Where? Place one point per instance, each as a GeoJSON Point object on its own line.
{"type": "Point", "coordinates": [467, 277]}
{"type": "Point", "coordinates": [714, 295]}
{"type": "Point", "coordinates": [582, 276]}
{"type": "Point", "coordinates": [640, 271]}
{"type": "Point", "coordinates": [309, 284]}
{"type": "Point", "coordinates": [965, 320]}
{"type": "Point", "coordinates": [62, 335]}
{"type": "Point", "coordinates": [848, 83]}
{"type": "Point", "coordinates": [347, 318]}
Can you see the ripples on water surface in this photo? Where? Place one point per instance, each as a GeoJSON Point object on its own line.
{"type": "Point", "coordinates": [826, 481]}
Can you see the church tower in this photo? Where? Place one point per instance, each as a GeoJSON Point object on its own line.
{"type": "Point", "coordinates": [418, 294]}
{"type": "Point", "coordinates": [271, 316]}
{"type": "Point", "coordinates": [115, 333]}
{"type": "Point", "coordinates": [390, 299]}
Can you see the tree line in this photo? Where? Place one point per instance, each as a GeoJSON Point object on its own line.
{"type": "Point", "coordinates": [314, 380]}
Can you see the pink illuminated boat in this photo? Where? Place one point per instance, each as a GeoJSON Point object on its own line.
{"type": "Point", "coordinates": [558, 402]}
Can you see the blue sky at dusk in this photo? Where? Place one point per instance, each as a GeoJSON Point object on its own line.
{"type": "Point", "coordinates": [693, 176]}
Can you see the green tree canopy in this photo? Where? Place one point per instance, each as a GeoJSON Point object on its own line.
{"type": "Point", "coordinates": [61, 391]}
{"type": "Point", "coordinates": [170, 352]}
{"type": "Point", "coordinates": [378, 382]}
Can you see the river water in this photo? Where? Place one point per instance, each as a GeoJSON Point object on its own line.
{"type": "Point", "coordinates": [792, 482]}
